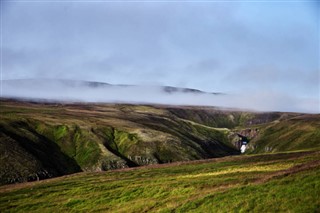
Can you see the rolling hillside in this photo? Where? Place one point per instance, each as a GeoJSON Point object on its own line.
{"type": "Point", "coordinates": [282, 182]}
{"type": "Point", "coordinates": [42, 140]}
{"type": "Point", "coordinates": [297, 133]}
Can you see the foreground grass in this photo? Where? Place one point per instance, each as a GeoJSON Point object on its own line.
{"type": "Point", "coordinates": [260, 183]}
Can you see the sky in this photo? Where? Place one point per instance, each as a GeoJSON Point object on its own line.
{"type": "Point", "coordinates": [262, 51]}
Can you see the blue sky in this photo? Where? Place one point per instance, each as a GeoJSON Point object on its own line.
{"type": "Point", "coordinates": [244, 47]}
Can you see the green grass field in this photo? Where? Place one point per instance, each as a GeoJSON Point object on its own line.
{"type": "Point", "coordinates": [282, 182]}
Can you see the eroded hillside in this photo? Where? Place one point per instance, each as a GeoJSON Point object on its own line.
{"type": "Point", "coordinates": [41, 140]}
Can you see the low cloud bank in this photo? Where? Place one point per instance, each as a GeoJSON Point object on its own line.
{"type": "Point", "coordinates": [80, 91]}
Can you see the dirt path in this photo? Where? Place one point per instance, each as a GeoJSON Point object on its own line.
{"type": "Point", "coordinates": [293, 170]}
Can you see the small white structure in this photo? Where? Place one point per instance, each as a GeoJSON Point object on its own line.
{"type": "Point", "coordinates": [243, 148]}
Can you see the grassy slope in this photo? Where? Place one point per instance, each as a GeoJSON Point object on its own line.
{"type": "Point", "coordinates": [297, 133]}
{"type": "Point", "coordinates": [288, 182]}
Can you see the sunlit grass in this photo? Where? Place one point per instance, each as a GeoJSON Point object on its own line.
{"type": "Point", "coordinates": [247, 169]}
{"type": "Point", "coordinates": [230, 184]}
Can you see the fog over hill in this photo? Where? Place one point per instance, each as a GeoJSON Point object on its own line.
{"type": "Point", "coordinates": [264, 56]}
{"type": "Point", "coordinates": [87, 91]}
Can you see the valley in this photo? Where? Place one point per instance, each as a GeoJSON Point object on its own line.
{"type": "Point", "coordinates": [156, 158]}
{"type": "Point", "coordinates": [44, 140]}
{"type": "Point", "coordinates": [159, 106]}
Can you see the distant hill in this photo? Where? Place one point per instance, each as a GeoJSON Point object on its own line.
{"type": "Point", "coordinates": [39, 140]}
{"type": "Point", "coordinates": [86, 91]}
